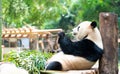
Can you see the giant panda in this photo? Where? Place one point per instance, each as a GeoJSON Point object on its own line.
{"type": "Point", "coordinates": [80, 54]}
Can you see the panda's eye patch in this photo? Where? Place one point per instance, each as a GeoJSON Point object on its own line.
{"type": "Point", "coordinates": [78, 28]}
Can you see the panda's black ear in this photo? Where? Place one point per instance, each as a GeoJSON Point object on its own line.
{"type": "Point", "coordinates": [93, 24]}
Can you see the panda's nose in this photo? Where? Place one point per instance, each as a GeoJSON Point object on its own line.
{"type": "Point", "coordinates": [74, 33]}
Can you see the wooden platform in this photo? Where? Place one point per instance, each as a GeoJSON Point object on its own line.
{"type": "Point", "coordinates": [91, 71]}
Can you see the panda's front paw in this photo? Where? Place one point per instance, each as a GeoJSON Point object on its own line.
{"type": "Point", "coordinates": [61, 34]}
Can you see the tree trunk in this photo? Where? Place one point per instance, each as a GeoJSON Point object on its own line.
{"type": "Point", "coordinates": [109, 32]}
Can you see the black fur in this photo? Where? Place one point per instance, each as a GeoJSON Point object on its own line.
{"type": "Point", "coordinates": [93, 24]}
{"type": "Point", "coordinates": [84, 48]}
{"type": "Point", "coordinates": [54, 66]}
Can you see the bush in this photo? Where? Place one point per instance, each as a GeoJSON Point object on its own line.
{"type": "Point", "coordinates": [32, 61]}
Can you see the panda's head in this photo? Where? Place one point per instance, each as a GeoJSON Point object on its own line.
{"type": "Point", "coordinates": [88, 30]}
{"type": "Point", "coordinates": [84, 29]}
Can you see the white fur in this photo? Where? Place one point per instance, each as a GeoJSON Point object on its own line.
{"type": "Point", "coordinates": [70, 62]}
{"type": "Point", "coordinates": [86, 29]}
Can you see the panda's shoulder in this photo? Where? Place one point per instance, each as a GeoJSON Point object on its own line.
{"type": "Point", "coordinates": [86, 42]}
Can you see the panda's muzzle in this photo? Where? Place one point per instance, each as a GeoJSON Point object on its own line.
{"type": "Point", "coordinates": [74, 33]}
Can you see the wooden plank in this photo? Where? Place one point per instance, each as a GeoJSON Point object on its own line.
{"type": "Point", "coordinates": [91, 71]}
{"type": "Point", "coordinates": [109, 32]}
{"type": "Point", "coordinates": [28, 31]}
{"type": "Point", "coordinates": [21, 31]}
{"type": "Point", "coordinates": [50, 30]}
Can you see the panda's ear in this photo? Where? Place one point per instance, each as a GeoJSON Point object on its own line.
{"type": "Point", "coordinates": [93, 24]}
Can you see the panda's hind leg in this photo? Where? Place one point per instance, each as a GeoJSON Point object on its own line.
{"type": "Point", "coordinates": [54, 66]}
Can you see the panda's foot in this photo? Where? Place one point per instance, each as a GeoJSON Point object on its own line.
{"type": "Point", "coordinates": [54, 66]}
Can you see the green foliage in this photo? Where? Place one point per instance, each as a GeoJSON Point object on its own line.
{"type": "Point", "coordinates": [48, 14]}
{"type": "Point", "coordinates": [32, 61]}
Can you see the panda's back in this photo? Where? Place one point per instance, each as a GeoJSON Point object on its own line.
{"type": "Point", "coordinates": [88, 50]}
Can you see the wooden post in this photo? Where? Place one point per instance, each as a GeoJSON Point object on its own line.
{"type": "Point", "coordinates": [109, 32]}
{"type": "Point", "coordinates": [34, 42]}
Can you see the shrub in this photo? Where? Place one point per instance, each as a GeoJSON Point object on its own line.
{"type": "Point", "coordinates": [32, 61]}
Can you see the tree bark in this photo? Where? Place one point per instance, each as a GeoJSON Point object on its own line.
{"type": "Point", "coordinates": [109, 32]}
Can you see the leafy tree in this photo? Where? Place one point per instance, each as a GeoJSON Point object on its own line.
{"type": "Point", "coordinates": [91, 8]}
{"type": "Point", "coordinates": [55, 13]}
{"type": "Point", "coordinates": [14, 11]}
{"type": "Point", "coordinates": [35, 12]}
